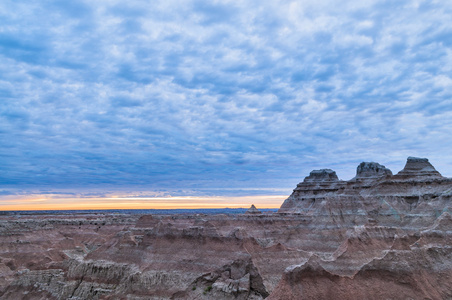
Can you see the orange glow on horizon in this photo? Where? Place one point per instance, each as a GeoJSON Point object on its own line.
{"type": "Point", "coordinates": [38, 202]}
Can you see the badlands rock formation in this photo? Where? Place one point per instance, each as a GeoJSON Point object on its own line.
{"type": "Point", "coordinates": [376, 236]}
{"type": "Point", "coordinates": [397, 235]}
{"type": "Point", "coordinates": [253, 210]}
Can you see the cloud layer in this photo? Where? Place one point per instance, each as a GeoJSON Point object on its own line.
{"type": "Point", "coordinates": [220, 94]}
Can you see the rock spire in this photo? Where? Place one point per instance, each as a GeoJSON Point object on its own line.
{"type": "Point", "coordinates": [253, 210]}
{"type": "Point", "coordinates": [372, 170]}
{"type": "Point", "coordinates": [418, 167]}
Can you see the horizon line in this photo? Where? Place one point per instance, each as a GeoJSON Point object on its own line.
{"type": "Point", "coordinates": [44, 202]}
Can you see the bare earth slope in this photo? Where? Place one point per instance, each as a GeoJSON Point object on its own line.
{"type": "Point", "coordinates": [377, 236]}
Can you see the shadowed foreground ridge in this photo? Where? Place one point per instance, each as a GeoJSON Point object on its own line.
{"type": "Point", "coordinates": [376, 236]}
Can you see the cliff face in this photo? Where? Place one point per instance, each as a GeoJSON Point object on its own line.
{"type": "Point", "coordinates": [399, 242]}
{"type": "Point", "coordinates": [377, 236]}
{"type": "Point", "coordinates": [377, 263]}
{"type": "Point", "coordinates": [146, 257]}
{"type": "Point", "coordinates": [374, 196]}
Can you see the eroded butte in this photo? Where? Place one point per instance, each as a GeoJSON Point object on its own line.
{"type": "Point", "coordinates": [377, 236]}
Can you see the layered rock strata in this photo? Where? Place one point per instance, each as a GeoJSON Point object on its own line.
{"type": "Point", "coordinates": [373, 196]}
{"type": "Point", "coordinates": [377, 236]}
{"type": "Point", "coordinates": [398, 242]}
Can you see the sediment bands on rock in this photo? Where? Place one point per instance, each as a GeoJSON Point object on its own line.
{"type": "Point", "coordinates": [376, 236]}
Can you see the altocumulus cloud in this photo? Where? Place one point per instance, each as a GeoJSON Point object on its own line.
{"type": "Point", "coordinates": [217, 94]}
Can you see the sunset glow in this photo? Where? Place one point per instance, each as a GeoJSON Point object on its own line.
{"type": "Point", "coordinates": [40, 203]}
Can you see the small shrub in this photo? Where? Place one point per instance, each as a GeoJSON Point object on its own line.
{"type": "Point", "coordinates": [208, 289]}
{"type": "Point", "coordinates": [193, 288]}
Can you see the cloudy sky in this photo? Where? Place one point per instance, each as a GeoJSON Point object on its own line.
{"type": "Point", "coordinates": [219, 96]}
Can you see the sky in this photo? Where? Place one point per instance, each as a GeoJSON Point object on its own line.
{"type": "Point", "coordinates": [216, 98]}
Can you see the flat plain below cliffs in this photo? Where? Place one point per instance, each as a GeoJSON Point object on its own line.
{"type": "Point", "coordinates": [376, 236]}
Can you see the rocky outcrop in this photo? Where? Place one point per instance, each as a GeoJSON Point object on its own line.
{"type": "Point", "coordinates": [372, 170]}
{"type": "Point", "coordinates": [323, 175]}
{"type": "Point", "coordinates": [418, 168]}
{"type": "Point", "coordinates": [374, 195]}
{"type": "Point", "coordinates": [253, 210]}
{"type": "Point", "coordinates": [396, 243]}
{"type": "Point", "coordinates": [237, 280]}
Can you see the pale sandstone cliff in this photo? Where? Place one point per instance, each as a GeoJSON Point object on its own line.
{"type": "Point", "coordinates": [377, 236]}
